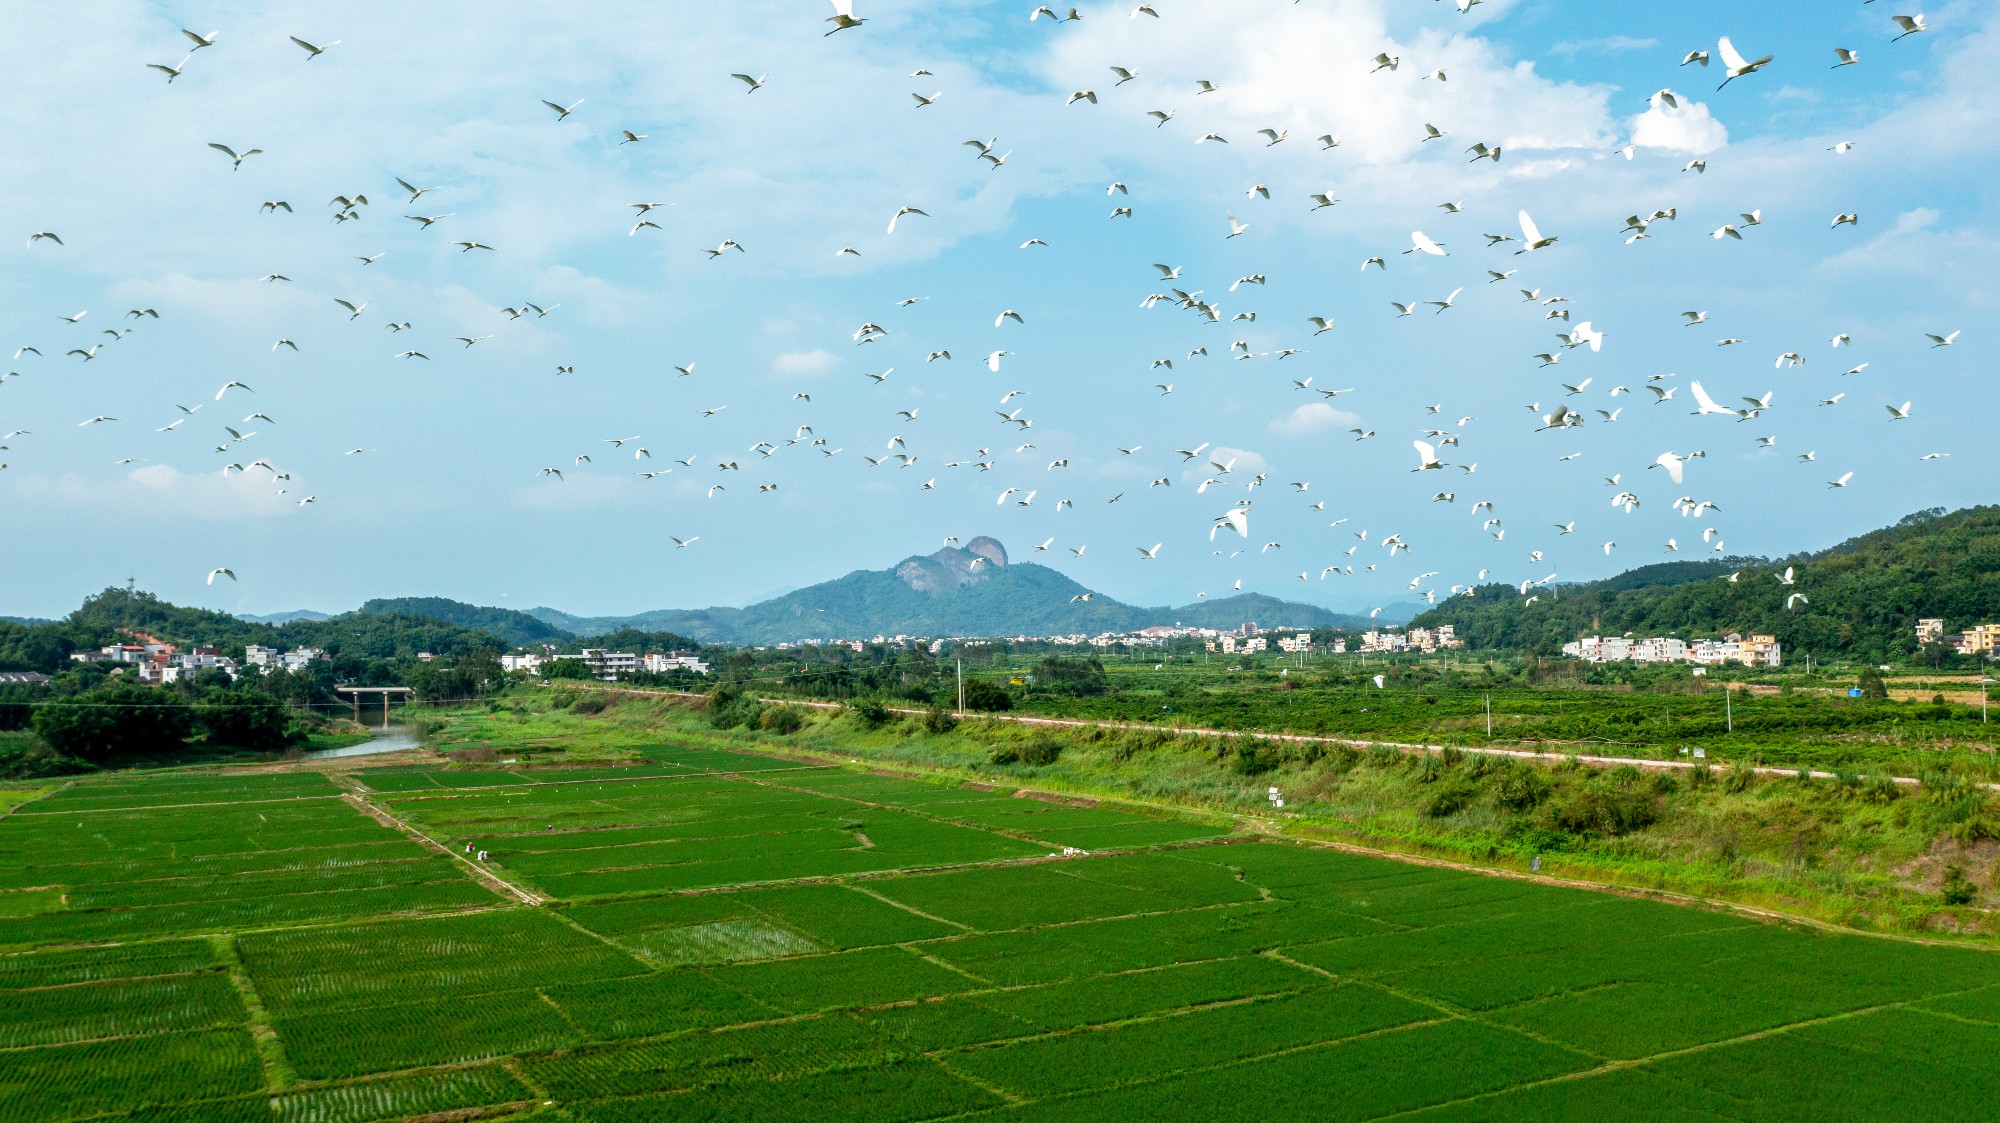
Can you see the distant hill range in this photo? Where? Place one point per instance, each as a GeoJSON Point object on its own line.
{"type": "Point", "coordinates": [285, 617]}
{"type": "Point", "coordinates": [969, 590]}
{"type": "Point", "coordinates": [1863, 597]}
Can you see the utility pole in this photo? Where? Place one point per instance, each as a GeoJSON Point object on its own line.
{"type": "Point", "coordinates": [1728, 711]}
{"type": "Point", "coordinates": [961, 685]}
{"type": "Point", "coordinates": [1983, 684]}
{"type": "Point", "coordinates": [1489, 717]}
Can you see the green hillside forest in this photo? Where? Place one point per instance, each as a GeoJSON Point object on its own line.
{"type": "Point", "coordinates": [1863, 596]}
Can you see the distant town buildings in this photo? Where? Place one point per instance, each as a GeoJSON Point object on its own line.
{"type": "Point", "coordinates": [606, 666]}
{"type": "Point", "coordinates": [1755, 651]}
{"type": "Point", "coordinates": [297, 659]}
{"type": "Point", "coordinates": [159, 663]}
{"type": "Point", "coordinates": [1426, 640]}
{"type": "Point", "coordinates": [1980, 639]}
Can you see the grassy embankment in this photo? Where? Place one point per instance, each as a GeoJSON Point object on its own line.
{"type": "Point", "coordinates": [1857, 851]}
{"type": "Point", "coordinates": [1759, 724]}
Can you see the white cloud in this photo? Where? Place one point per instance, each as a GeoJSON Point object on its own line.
{"type": "Point", "coordinates": [163, 492]}
{"type": "Point", "coordinates": [816, 363]}
{"type": "Point", "coordinates": [1607, 45]}
{"type": "Point", "coordinates": [1314, 418]}
{"type": "Point", "coordinates": [1691, 128]}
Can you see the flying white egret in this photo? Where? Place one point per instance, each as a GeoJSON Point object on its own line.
{"type": "Point", "coordinates": [1706, 404]}
{"type": "Point", "coordinates": [1531, 236]}
{"type": "Point", "coordinates": [1734, 64]}
{"type": "Point", "coordinates": [235, 158]}
{"type": "Point", "coordinates": [843, 16]}
{"type": "Point", "coordinates": [313, 51]}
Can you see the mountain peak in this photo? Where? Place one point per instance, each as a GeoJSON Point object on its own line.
{"type": "Point", "coordinates": [954, 567]}
{"type": "Point", "coordinates": [988, 548]}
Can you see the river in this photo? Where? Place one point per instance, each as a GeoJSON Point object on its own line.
{"type": "Point", "coordinates": [389, 737]}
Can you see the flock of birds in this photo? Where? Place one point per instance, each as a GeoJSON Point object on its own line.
{"type": "Point", "coordinates": [1437, 437]}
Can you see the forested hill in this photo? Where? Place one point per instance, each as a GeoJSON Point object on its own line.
{"type": "Point", "coordinates": [46, 647]}
{"type": "Point", "coordinates": [519, 629]}
{"type": "Point", "coordinates": [1863, 597]}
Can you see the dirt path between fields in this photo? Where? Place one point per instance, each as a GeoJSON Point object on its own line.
{"type": "Point", "coordinates": [484, 876]}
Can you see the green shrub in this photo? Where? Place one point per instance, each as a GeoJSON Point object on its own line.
{"type": "Point", "coordinates": [1600, 808]}
{"type": "Point", "coordinates": [588, 704]}
{"type": "Point", "coordinates": [1254, 759]}
{"type": "Point", "coordinates": [987, 696]}
{"type": "Point", "coordinates": [1522, 789]}
{"type": "Point", "coordinates": [870, 712]}
{"type": "Point", "coordinates": [1880, 789]}
{"type": "Point", "coordinates": [1740, 778]}
{"type": "Point", "coordinates": [784, 720]}
{"type": "Point", "coordinates": [938, 719]}
{"type": "Point", "coordinates": [1958, 889]}
{"type": "Point", "coordinates": [1451, 797]}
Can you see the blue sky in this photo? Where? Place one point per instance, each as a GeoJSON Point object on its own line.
{"type": "Point", "coordinates": [448, 499]}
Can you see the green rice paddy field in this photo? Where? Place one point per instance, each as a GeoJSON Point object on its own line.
{"type": "Point", "coordinates": [723, 936]}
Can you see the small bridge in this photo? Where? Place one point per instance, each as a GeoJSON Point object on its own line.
{"type": "Point", "coordinates": [355, 693]}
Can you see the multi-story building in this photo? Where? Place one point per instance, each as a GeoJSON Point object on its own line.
{"type": "Point", "coordinates": [1374, 641]}
{"type": "Point", "coordinates": [1930, 630]}
{"type": "Point", "coordinates": [662, 664]}
{"type": "Point", "coordinates": [1982, 639]}
{"type": "Point", "coordinates": [608, 665]}
{"type": "Point", "coordinates": [1659, 649]}
{"type": "Point", "coordinates": [1759, 651]}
